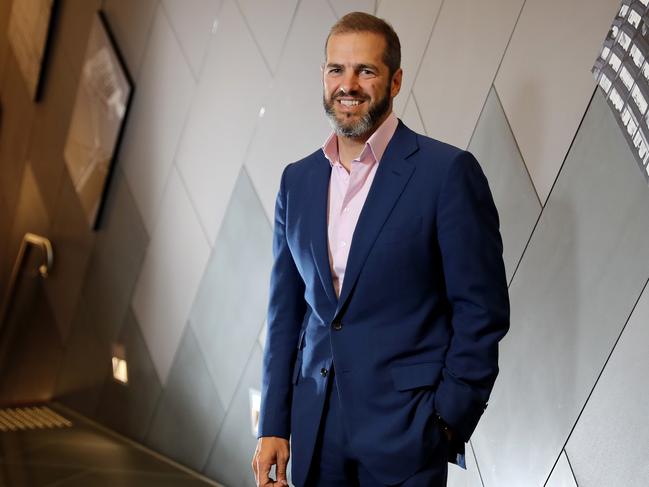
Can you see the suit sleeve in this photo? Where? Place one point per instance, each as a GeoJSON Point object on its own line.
{"type": "Point", "coordinates": [476, 287]}
{"type": "Point", "coordinates": [286, 310]}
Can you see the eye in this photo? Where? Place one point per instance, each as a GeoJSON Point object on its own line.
{"type": "Point", "coordinates": [334, 70]}
{"type": "Point", "coordinates": [367, 72]}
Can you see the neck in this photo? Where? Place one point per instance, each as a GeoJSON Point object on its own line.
{"type": "Point", "coordinates": [349, 148]}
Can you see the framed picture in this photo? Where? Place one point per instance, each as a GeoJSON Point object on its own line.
{"type": "Point", "coordinates": [101, 106]}
{"type": "Point", "coordinates": [28, 32]}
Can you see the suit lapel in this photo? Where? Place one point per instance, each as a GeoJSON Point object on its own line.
{"type": "Point", "coordinates": [392, 175]}
{"type": "Point", "coordinates": [319, 185]}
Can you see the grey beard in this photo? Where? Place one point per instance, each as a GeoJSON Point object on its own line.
{"type": "Point", "coordinates": [365, 125]}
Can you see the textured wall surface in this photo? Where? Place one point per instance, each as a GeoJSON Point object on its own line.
{"type": "Point", "coordinates": [227, 92]}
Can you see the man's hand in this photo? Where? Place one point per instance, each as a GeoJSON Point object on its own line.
{"type": "Point", "coordinates": [271, 450]}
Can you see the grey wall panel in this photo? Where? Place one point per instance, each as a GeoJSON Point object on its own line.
{"type": "Point", "coordinates": [342, 7]}
{"type": "Point", "coordinates": [128, 408]}
{"type": "Point", "coordinates": [518, 206]}
{"type": "Point", "coordinates": [609, 444]}
{"type": "Point", "coordinates": [231, 302]}
{"type": "Point", "coordinates": [229, 460]}
{"type": "Point", "coordinates": [576, 284]}
{"type": "Point", "coordinates": [562, 474]}
{"type": "Point", "coordinates": [189, 413]}
{"type": "Point", "coordinates": [130, 22]}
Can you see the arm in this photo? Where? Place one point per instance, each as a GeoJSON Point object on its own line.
{"type": "Point", "coordinates": [476, 288]}
{"type": "Point", "coordinates": [286, 311]}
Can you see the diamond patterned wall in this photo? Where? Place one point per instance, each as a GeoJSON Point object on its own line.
{"type": "Point", "coordinates": [227, 93]}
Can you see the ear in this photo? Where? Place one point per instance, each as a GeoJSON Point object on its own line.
{"type": "Point", "coordinates": [395, 82]}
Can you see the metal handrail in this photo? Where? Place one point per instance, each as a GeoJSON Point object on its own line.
{"type": "Point", "coordinates": [48, 261]}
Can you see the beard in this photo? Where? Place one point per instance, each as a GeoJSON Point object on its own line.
{"type": "Point", "coordinates": [366, 124]}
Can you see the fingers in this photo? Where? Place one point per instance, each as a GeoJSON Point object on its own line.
{"type": "Point", "coordinates": [282, 461]}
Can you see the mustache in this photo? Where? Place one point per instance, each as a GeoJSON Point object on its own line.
{"type": "Point", "coordinates": [355, 93]}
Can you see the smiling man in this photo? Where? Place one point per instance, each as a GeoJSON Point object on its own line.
{"type": "Point", "coordinates": [388, 294]}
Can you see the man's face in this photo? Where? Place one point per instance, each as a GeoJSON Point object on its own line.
{"type": "Point", "coordinates": [358, 90]}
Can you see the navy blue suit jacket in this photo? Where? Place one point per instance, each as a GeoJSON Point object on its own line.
{"type": "Point", "coordinates": [415, 330]}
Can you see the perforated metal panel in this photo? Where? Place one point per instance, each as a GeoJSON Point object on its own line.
{"type": "Point", "coordinates": [15, 419]}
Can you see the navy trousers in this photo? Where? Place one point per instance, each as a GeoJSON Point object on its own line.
{"type": "Point", "coordinates": [334, 465]}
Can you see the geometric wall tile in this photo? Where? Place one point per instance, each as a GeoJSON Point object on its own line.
{"type": "Point", "coordinates": [545, 82]}
{"type": "Point", "coordinates": [130, 23]}
{"type": "Point", "coordinates": [231, 302]}
{"type": "Point", "coordinates": [470, 477]}
{"type": "Point", "coordinates": [229, 460]}
{"type": "Point", "coordinates": [161, 100]}
{"type": "Point", "coordinates": [269, 22]}
{"type": "Point", "coordinates": [193, 21]}
{"type": "Point", "coordinates": [343, 7]}
{"type": "Point", "coordinates": [576, 284]}
{"type": "Point", "coordinates": [172, 270]}
{"type": "Point", "coordinates": [460, 63]}
{"type": "Point", "coordinates": [294, 123]}
{"type": "Point", "coordinates": [411, 116]}
{"type": "Point", "coordinates": [115, 262]}
{"type": "Point", "coordinates": [221, 122]}
{"type": "Point", "coordinates": [189, 412]}
{"type": "Point", "coordinates": [610, 442]}
{"type": "Point", "coordinates": [72, 240]}
{"type": "Point", "coordinates": [562, 474]}
{"type": "Point", "coordinates": [128, 408]}
{"type": "Point", "coordinates": [413, 21]}
{"type": "Point", "coordinates": [518, 206]}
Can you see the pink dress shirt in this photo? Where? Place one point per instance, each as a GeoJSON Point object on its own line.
{"type": "Point", "coordinates": [348, 191]}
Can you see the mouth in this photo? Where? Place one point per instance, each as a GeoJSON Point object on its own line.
{"type": "Point", "coordinates": [350, 103]}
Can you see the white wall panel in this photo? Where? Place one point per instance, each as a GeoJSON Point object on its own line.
{"type": "Point", "coordinates": [413, 21]}
{"type": "Point", "coordinates": [222, 119]}
{"type": "Point", "coordinates": [562, 474]}
{"type": "Point", "coordinates": [545, 81]}
{"type": "Point", "coordinates": [609, 445]}
{"type": "Point", "coordinates": [160, 103]}
{"type": "Point", "coordinates": [269, 23]}
{"type": "Point", "coordinates": [460, 64]}
{"type": "Point", "coordinates": [193, 22]}
{"type": "Point", "coordinates": [342, 7]}
{"type": "Point", "coordinates": [171, 273]}
{"type": "Point", "coordinates": [294, 123]}
{"type": "Point", "coordinates": [411, 116]}
{"type": "Point", "coordinates": [576, 284]}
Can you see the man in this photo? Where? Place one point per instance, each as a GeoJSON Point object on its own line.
{"type": "Point", "coordinates": [388, 292]}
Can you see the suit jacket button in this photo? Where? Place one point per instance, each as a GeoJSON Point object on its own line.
{"type": "Point", "coordinates": [337, 325]}
{"type": "Point", "coordinates": [323, 372]}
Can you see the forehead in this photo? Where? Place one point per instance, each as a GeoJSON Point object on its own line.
{"type": "Point", "coordinates": [356, 47]}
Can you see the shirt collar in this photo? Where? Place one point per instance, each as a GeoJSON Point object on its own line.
{"type": "Point", "coordinates": [375, 145]}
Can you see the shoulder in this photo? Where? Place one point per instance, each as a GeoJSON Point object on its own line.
{"type": "Point", "coordinates": [298, 169]}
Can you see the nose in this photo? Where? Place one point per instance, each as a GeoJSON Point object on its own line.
{"type": "Point", "coordinates": [349, 82]}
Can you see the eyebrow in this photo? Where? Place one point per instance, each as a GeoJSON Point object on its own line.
{"type": "Point", "coordinates": [356, 66]}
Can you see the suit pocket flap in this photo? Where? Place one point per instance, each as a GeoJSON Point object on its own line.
{"type": "Point", "coordinates": [415, 375]}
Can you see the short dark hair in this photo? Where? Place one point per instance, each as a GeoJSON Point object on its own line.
{"type": "Point", "coordinates": [363, 22]}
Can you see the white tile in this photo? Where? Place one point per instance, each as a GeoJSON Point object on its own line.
{"type": "Point", "coordinates": [262, 335]}
{"type": "Point", "coordinates": [269, 23]}
{"type": "Point", "coordinates": [130, 22]}
{"type": "Point", "coordinates": [610, 442]}
{"type": "Point", "coordinates": [411, 116]}
{"type": "Point", "coordinates": [562, 474]}
{"type": "Point", "coordinates": [413, 21]}
{"type": "Point", "coordinates": [160, 103]}
{"type": "Point", "coordinates": [294, 123]}
{"type": "Point", "coordinates": [545, 82]}
{"type": "Point", "coordinates": [342, 7]}
{"type": "Point", "coordinates": [460, 64]}
{"type": "Point", "coordinates": [222, 119]}
{"type": "Point", "coordinates": [172, 270]}
{"type": "Point", "coordinates": [193, 22]}
{"type": "Point", "coordinates": [458, 477]}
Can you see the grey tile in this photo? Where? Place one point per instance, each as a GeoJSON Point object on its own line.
{"type": "Point", "coordinates": [231, 302]}
{"type": "Point", "coordinates": [562, 474]}
{"type": "Point", "coordinates": [189, 413]}
{"type": "Point", "coordinates": [113, 479]}
{"type": "Point", "coordinates": [72, 240]}
{"type": "Point", "coordinates": [128, 408]}
{"type": "Point", "coordinates": [115, 262]}
{"type": "Point", "coordinates": [494, 146]}
{"type": "Point", "coordinates": [229, 461]}
{"type": "Point", "coordinates": [575, 286]}
{"type": "Point", "coordinates": [610, 442]}
{"type": "Point", "coordinates": [17, 119]}
{"type": "Point", "coordinates": [130, 23]}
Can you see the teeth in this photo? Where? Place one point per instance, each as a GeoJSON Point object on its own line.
{"type": "Point", "coordinates": [349, 103]}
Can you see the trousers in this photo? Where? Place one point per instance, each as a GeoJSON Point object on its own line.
{"type": "Point", "coordinates": [334, 464]}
